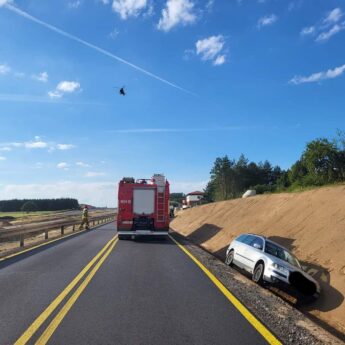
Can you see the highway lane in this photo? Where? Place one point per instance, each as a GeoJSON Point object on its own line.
{"type": "Point", "coordinates": [29, 282]}
{"type": "Point", "coordinates": [145, 292]}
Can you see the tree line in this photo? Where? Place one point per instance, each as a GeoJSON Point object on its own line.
{"type": "Point", "coordinates": [322, 162]}
{"type": "Point", "coordinates": [30, 205]}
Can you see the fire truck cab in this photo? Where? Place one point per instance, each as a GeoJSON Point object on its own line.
{"type": "Point", "coordinates": [143, 207]}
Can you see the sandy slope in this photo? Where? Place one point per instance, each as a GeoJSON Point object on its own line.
{"type": "Point", "coordinates": [311, 224]}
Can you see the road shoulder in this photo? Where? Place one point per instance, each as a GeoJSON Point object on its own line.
{"type": "Point", "coordinates": [287, 323]}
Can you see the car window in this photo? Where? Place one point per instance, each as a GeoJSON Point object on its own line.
{"type": "Point", "coordinates": [258, 241]}
{"type": "Point", "coordinates": [241, 238]}
{"type": "Point", "coordinates": [248, 239]}
{"type": "Point", "coordinates": [281, 253]}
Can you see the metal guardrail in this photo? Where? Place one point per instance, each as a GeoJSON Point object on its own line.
{"type": "Point", "coordinates": [21, 231]}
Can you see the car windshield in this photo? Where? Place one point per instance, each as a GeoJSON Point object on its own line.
{"type": "Point", "coordinates": [281, 253]}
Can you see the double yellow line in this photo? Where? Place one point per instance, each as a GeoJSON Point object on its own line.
{"type": "Point", "coordinates": [97, 262]}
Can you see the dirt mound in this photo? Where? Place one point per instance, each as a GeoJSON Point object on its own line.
{"type": "Point", "coordinates": [311, 224]}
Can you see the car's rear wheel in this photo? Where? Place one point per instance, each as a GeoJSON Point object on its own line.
{"type": "Point", "coordinates": [229, 260]}
{"type": "Point", "coordinates": [258, 274]}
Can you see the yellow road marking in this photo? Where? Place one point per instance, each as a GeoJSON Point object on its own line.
{"type": "Point", "coordinates": [25, 337]}
{"type": "Point", "coordinates": [69, 304]}
{"type": "Point", "coordinates": [45, 243]}
{"type": "Point", "coordinates": [270, 338]}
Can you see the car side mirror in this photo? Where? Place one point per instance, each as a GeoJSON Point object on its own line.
{"type": "Point", "coordinates": [257, 246]}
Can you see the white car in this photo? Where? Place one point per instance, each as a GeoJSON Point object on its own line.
{"type": "Point", "coordinates": [268, 261]}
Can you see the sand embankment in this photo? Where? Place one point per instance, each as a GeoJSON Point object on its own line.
{"type": "Point", "coordinates": [311, 224]}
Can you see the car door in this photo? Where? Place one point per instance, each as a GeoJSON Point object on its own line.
{"type": "Point", "coordinates": [239, 249]}
{"type": "Point", "coordinates": [253, 251]}
{"type": "Point", "coordinates": [242, 255]}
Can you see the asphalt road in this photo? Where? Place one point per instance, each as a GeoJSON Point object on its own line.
{"type": "Point", "coordinates": [144, 292]}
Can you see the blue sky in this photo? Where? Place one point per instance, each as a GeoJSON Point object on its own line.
{"type": "Point", "coordinates": [203, 79]}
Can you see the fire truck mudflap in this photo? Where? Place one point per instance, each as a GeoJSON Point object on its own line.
{"type": "Point", "coordinates": [143, 207]}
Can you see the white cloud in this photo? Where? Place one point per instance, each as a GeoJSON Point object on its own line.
{"type": "Point", "coordinates": [326, 35]}
{"type": "Point", "coordinates": [129, 8]}
{"type": "Point", "coordinates": [308, 30]}
{"type": "Point", "coordinates": [177, 12]}
{"type": "Point", "coordinates": [333, 16]}
{"type": "Point", "coordinates": [267, 20]}
{"type": "Point", "coordinates": [317, 77]}
{"type": "Point", "coordinates": [68, 86]}
{"type": "Point", "coordinates": [4, 2]}
{"type": "Point", "coordinates": [63, 165]}
{"type": "Point", "coordinates": [95, 193]}
{"type": "Point", "coordinates": [64, 147]}
{"type": "Point", "coordinates": [2, 158]}
{"type": "Point", "coordinates": [64, 87]}
{"type": "Point", "coordinates": [82, 164]}
{"type": "Point", "coordinates": [74, 4]}
{"type": "Point", "coordinates": [43, 77]}
{"type": "Point", "coordinates": [94, 174]}
{"type": "Point", "coordinates": [4, 69]}
{"type": "Point", "coordinates": [36, 145]}
{"type": "Point", "coordinates": [54, 94]}
{"type": "Point", "coordinates": [219, 60]}
{"type": "Point", "coordinates": [327, 28]}
{"type": "Point", "coordinates": [210, 49]}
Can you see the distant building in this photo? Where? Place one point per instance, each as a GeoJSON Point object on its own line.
{"type": "Point", "coordinates": [194, 198]}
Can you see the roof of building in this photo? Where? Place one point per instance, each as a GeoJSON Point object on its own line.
{"type": "Point", "coordinates": [196, 193]}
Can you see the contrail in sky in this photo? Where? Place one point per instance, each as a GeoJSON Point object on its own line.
{"type": "Point", "coordinates": [92, 46]}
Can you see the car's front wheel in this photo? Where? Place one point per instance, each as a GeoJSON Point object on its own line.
{"type": "Point", "coordinates": [258, 274]}
{"type": "Point", "coordinates": [229, 260]}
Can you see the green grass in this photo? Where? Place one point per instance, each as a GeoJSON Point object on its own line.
{"type": "Point", "coordinates": [297, 189]}
{"type": "Point", "coordinates": [24, 214]}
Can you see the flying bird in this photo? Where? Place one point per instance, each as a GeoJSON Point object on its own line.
{"type": "Point", "coordinates": [122, 90]}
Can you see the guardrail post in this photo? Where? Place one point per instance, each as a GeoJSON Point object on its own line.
{"type": "Point", "coordinates": [21, 239]}
{"type": "Point", "coordinates": [62, 230]}
{"type": "Point", "coordinates": [73, 229]}
{"type": "Point", "coordinates": [46, 234]}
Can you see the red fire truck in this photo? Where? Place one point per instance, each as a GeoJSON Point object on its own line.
{"type": "Point", "coordinates": [143, 207]}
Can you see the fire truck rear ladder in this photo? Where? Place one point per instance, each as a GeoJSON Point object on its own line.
{"type": "Point", "coordinates": [160, 205]}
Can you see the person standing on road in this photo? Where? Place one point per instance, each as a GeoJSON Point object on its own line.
{"type": "Point", "coordinates": [85, 218]}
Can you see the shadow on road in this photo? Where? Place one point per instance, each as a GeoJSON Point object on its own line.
{"type": "Point", "coordinates": [153, 239]}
